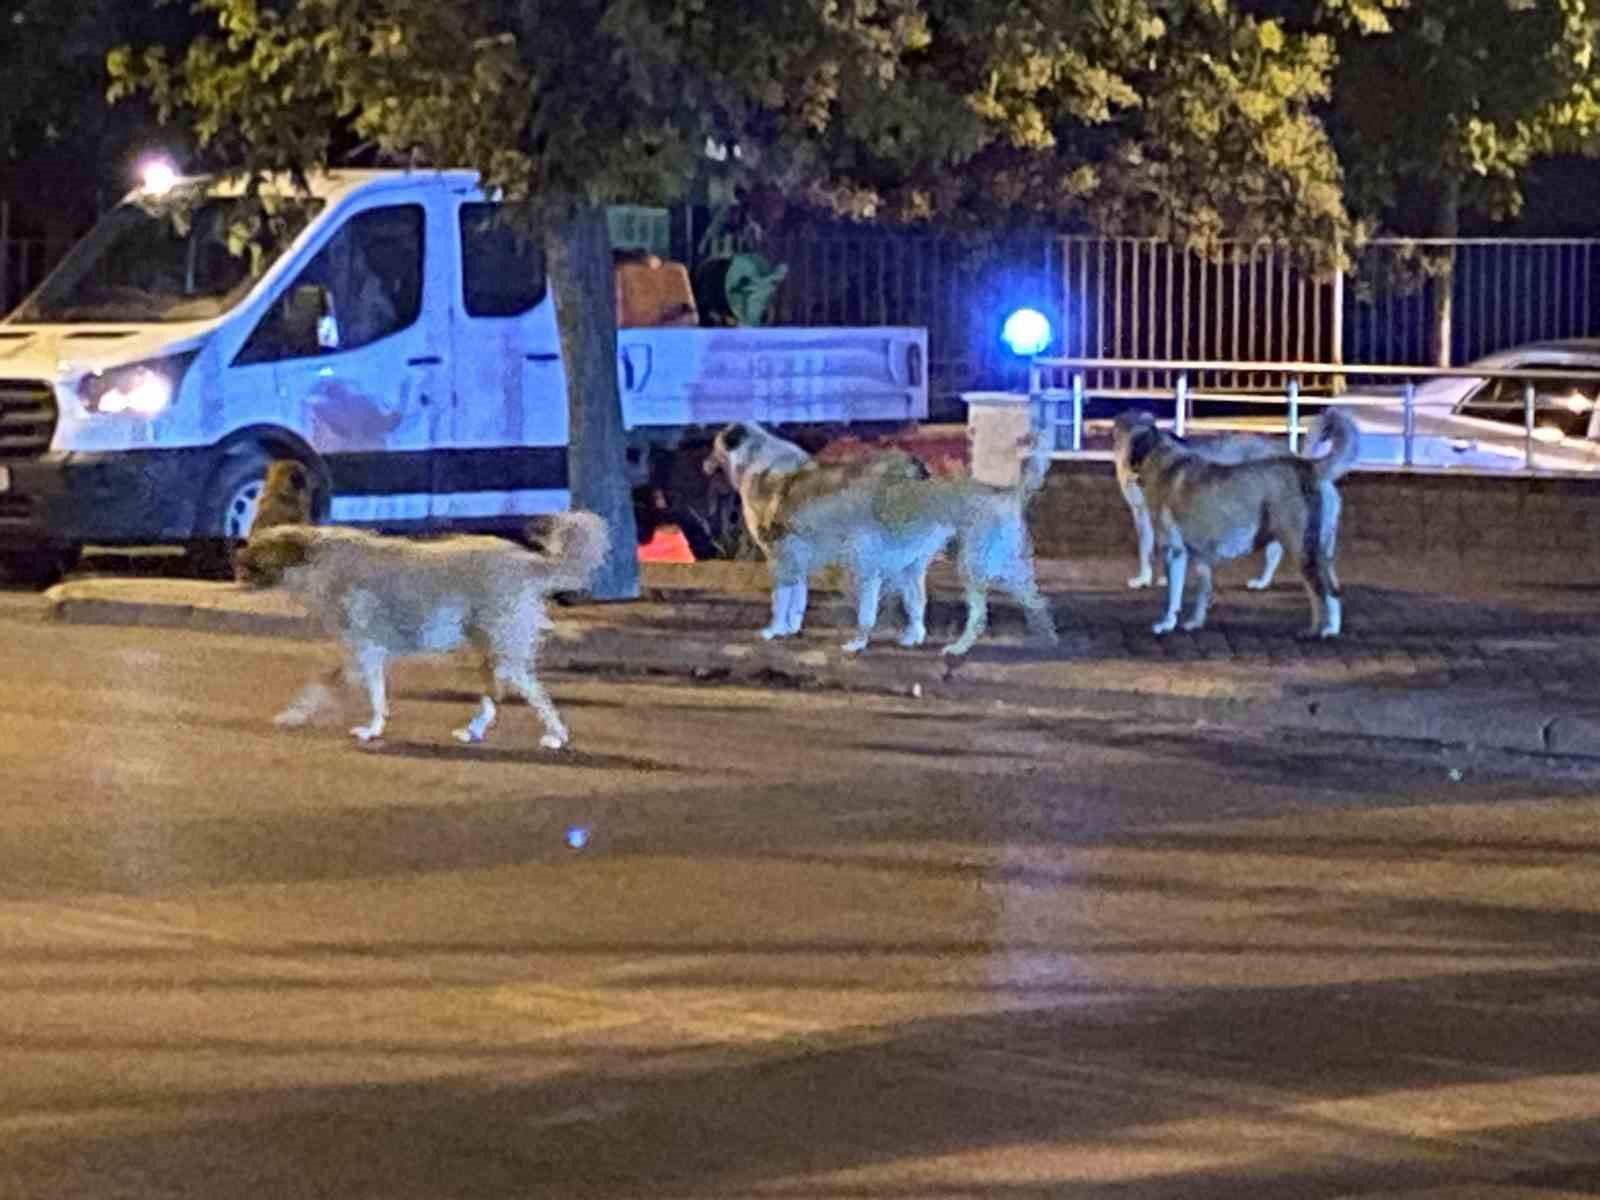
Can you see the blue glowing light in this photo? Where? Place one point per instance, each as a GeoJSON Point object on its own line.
{"type": "Point", "coordinates": [1026, 331]}
{"type": "Point", "coordinates": [577, 837]}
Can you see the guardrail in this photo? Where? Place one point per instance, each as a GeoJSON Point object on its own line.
{"type": "Point", "coordinates": [1183, 398]}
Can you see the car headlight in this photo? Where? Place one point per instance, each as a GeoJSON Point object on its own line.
{"type": "Point", "coordinates": [142, 389]}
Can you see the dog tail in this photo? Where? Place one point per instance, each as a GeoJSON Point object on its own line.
{"type": "Point", "coordinates": [1334, 427]}
{"type": "Point", "coordinates": [573, 547]}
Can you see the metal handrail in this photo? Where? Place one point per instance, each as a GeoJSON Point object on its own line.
{"type": "Point", "coordinates": [1292, 371]}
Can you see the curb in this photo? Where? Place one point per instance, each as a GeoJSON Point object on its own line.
{"type": "Point", "coordinates": [1483, 719]}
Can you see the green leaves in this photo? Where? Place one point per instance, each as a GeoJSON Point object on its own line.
{"type": "Point", "coordinates": [1186, 118]}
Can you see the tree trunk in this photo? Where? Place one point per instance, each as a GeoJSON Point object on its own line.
{"type": "Point", "coordinates": [1448, 226]}
{"type": "Point", "coordinates": [579, 255]}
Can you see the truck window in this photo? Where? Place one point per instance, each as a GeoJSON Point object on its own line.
{"type": "Point", "coordinates": [172, 259]}
{"type": "Point", "coordinates": [502, 268]}
{"type": "Point", "coordinates": [371, 272]}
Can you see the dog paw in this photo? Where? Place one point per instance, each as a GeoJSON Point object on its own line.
{"type": "Point", "coordinates": [957, 649]}
{"type": "Point", "coordinates": [1165, 625]}
{"type": "Point", "coordinates": [773, 632]}
{"type": "Point", "coordinates": [1140, 581]}
{"type": "Point", "coordinates": [1194, 623]}
{"type": "Point", "coordinates": [551, 741]}
{"type": "Point", "coordinates": [912, 637]}
{"type": "Point", "coordinates": [292, 718]}
{"type": "Point", "coordinates": [367, 733]}
{"type": "Point", "coordinates": [1259, 585]}
{"type": "Point", "coordinates": [855, 645]}
{"type": "Point", "coordinates": [467, 735]}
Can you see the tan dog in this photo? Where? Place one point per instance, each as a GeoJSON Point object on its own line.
{"type": "Point", "coordinates": [884, 522]}
{"type": "Point", "coordinates": [1207, 511]}
{"type": "Point", "coordinates": [1220, 448]}
{"type": "Point", "coordinates": [285, 497]}
{"type": "Point", "coordinates": [382, 596]}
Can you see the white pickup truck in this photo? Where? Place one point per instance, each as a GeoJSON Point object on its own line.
{"type": "Point", "coordinates": [392, 336]}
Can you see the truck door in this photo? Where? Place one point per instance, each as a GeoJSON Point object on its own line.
{"type": "Point", "coordinates": [503, 451]}
{"type": "Point", "coordinates": [365, 374]}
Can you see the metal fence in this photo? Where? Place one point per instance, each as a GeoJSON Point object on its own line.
{"type": "Point", "coordinates": [1142, 298]}
{"type": "Point", "coordinates": [1503, 293]}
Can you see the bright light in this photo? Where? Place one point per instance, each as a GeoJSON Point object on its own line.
{"type": "Point", "coordinates": [1576, 402]}
{"type": "Point", "coordinates": [1026, 331]}
{"type": "Point", "coordinates": [159, 176]}
{"type": "Point", "coordinates": [137, 390]}
{"type": "Point", "coordinates": [1548, 433]}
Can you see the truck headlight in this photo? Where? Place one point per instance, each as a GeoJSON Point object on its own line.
{"type": "Point", "coordinates": [142, 389]}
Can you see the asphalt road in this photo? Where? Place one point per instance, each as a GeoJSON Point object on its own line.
{"type": "Point", "coordinates": [816, 945]}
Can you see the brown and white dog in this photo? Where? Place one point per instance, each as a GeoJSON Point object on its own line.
{"type": "Point", "coordinates": [1208, 511]}
{"type": "Point", "coordinates": [285, 497]}
{"type": "Point", "coordinates": [382, 597]}
{"type": "Point", "coordinates": [883, 519]}
{"type": "Point", "coordinates": [1218, 448]}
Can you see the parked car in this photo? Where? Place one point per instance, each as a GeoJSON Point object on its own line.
{"type": "Point", "coordinates": [1476, 422]}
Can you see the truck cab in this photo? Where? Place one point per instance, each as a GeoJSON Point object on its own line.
{"type": "Point", "coordinates": [385, 329]}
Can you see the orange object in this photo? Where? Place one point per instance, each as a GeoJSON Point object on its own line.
{"type": "Point", "coordinates": [653, 292]}
{"type": "Point", "coordinates": [666, 545]}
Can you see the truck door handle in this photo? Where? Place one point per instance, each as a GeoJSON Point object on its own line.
{"type": "Point", "coordinates": [542, 357]}
{"type": "Point", "coordinates": [424, 360]}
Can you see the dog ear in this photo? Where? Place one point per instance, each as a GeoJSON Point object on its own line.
{"type": "Point", "coordinates": [1141, 444]}
{"type": "Point", "coordinates": [734, 436]}
{"type": "Point", "coordinates": [1131, 419]}
{"type": "Point", "coordinates": [297, 478]}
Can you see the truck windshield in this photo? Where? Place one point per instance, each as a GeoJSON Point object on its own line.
{"type": "Point", "coordinates": [181, 258]}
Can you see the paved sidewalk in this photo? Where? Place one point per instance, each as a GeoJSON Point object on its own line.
{"type": "Point", "coordinates": [1425, 655]}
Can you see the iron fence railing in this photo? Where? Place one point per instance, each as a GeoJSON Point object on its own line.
{"type": "Point", "coordinates": [1061, 387]}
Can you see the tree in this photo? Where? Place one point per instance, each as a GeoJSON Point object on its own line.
{"type": "Point", "coordinates": [1175, 116]}
{"type": "Point", "coordinates": [1453, 103]}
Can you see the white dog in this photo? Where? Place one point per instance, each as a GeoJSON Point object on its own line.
{"type": "Point", "coordinates": [382, 597]}
{"type": "Point", "coordinates": [1220, 448]}
{"type": "Point", "coordinates": [883, 519]}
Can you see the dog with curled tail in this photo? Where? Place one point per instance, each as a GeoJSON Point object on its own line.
{"type": "Point", "coordinates": [384, 597]}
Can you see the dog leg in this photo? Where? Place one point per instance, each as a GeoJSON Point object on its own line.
{"type": "Point", "coordinates": [977, 593]}
{"type": "Point", "coordinates": [1327, 612]}
{"type": "Point", "coordinates": [869, 591]}
{"type": "Point", "coordinates": [313, 699]}
{"type": "Point", "coordinates": [795, 613]}
{"type": "Point", "coordinates": [1146, 534]}
{"type": "Point", "coordinates": [776, 626]}
{"type": "Point", "coordinates": [1202, 595]}
{"type": "Point", "coordinates": [1274, 555]}
{"type": "Point", "coordinates": [528, 687]}
{"type": "Point", "coordinates": [1177, 559]}
{"type": "Point", "coordinates": [369, 662]}
{"type": "Point", "coordinates": [1021, 585]}
{"type": "Point", "coordinates": [474, 729]}
{"type": "Point", "coordinates": [914, 599]}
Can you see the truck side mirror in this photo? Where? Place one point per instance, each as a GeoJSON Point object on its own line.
{"type": "Point", "coordinates": [308, 319]}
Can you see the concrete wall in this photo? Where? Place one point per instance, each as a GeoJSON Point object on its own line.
{"type": "Point", "coordinates": [1510, 528]}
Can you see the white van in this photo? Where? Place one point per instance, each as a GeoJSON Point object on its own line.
{"type": "Point", "coordinates": [394, 337]}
